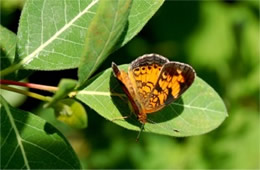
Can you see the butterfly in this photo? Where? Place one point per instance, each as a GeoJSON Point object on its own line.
{"type": "Point", "coordinates": [152, 82]}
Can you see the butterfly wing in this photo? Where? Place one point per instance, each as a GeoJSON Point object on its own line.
{"type": "Point", "coordinates": [153, 82]}
{"type": "Point", "coordinates": [126, 85]}
{"type": "Point", "coordinates": [174, 79]}
{"type": "Point", "coordinates": [143, 73]}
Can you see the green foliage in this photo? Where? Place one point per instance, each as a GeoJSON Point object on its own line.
{"type": "Point", "coordinates": [219, 39]}
{"type": "Point", "coordinates": [28, 141]}
{"type": "Point", "coordinates": [8, 45]}
{"type": "Point", "coordinates": [8, 50]}
{"type": "Point", "coordinates": [140, 13]}
{"type": "Point", "coordinates": [68, 111]}
{"type": "Point", "coordinates": [51, 34]}
{"type": "Point", "coordinates": [64, 88]}
{"type": "Point", "coordinates": [103, 33]}
{"type": "Point", "coordinates": [71, 112]}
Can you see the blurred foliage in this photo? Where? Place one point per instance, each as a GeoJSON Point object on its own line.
{"type": "Point", "coordinates": [10, 9]}
{"type": "Point", "coordinates": [220, 39]}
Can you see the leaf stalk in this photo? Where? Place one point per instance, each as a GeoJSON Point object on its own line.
{"type": "Point", "coordinates": [30, 85]}
{"type": "Point", "coordinates": [27, 93]}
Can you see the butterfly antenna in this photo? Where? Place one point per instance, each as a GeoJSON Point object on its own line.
{"type": "Point", "coordinates": [138, 136]}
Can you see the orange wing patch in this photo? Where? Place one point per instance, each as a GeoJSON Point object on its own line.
{"type": "Point", "coordinates": [145, 79]}
{"type": "Point", "coordinates": [143, 73]}
{"type": "Point", "coordinates": [152, 82]}
{"type": "Point", "coordinates": [173, 80]}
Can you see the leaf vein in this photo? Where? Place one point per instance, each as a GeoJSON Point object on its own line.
{"type": "Point", "coordinates": [5, 139]}
{"type": "Point", "coordinates": [45, 150]}
{"type": "Point", "coordinates": [18, 137]}
{"type": "Point", "coordinates": [73, 42]}
{"type": "Point", "coordinates": [198, 108]}
{"type": "Point", "coordinates": [49, 41]}
{"type": "Point", "coordinates": [11, 156]}
{"type": "Point", "coordinates": [184, 120]}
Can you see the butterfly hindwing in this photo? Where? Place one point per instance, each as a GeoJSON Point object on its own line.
{"type": "Point", "coordinates": [173, 80]}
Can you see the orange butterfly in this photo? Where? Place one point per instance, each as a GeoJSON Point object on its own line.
{"type": "Point", "coordinates": [152, 82]}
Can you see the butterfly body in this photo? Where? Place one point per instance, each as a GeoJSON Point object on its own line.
{"type": "Point", "coordinates": [152, 82]}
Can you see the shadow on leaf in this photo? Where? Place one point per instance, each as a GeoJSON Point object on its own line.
{"type": "Point", "coordinates": [167, 113]}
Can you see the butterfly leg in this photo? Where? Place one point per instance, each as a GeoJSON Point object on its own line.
{"type": "Point", "coordinates": [120, 118]}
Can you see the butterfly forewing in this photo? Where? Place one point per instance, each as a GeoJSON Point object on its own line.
{"type": "Point", "coordinates": [143, 73]}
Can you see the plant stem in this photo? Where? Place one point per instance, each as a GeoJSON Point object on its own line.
{"type": "Point", "coordinates": [30, 85]}
{"type": "Point", "coordinates": [10, 69]}
{"type": "Point", "coordinates": [27, 93]}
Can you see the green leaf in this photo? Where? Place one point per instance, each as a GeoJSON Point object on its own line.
{"type": "Point", "coordinates": [68, 111]}
{"type": "Point", "coordinates": [199, 110]}
{"type": "Point", "coordinates": [64, 88]}
{"type": "Point", "coordinates": [140, 13]}
{"type": "Point", "coordinates": [29, 142]}
{"type": "Point", "coordinates": [8, 45]}
{"type": "Point", "coordinates": [7, 54]}
{"type": "Point", "coordinates": [72, 113]}
{"type": "Point", "coordinates": [8, 48]}
{"type": "Point", "coordinates": [51, 34]}
{"type": "Point", "coordinates": [104, 31]}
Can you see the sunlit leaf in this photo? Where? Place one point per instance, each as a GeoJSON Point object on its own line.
{"type": "Point", "coordinates": [8, 45]}
{"type": "Point", "coordinates": [140, 13]}
{"type": "Point", "coordinates": [51, 34]}
{"type": "Point", "coordinates": [112, 28]}
{"type": "Point", "coordinates": [29, 142]}
{"type": "Point", "coordinates": [104, 31]}
{"type": "Point", "coordinates": [199, 110]}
